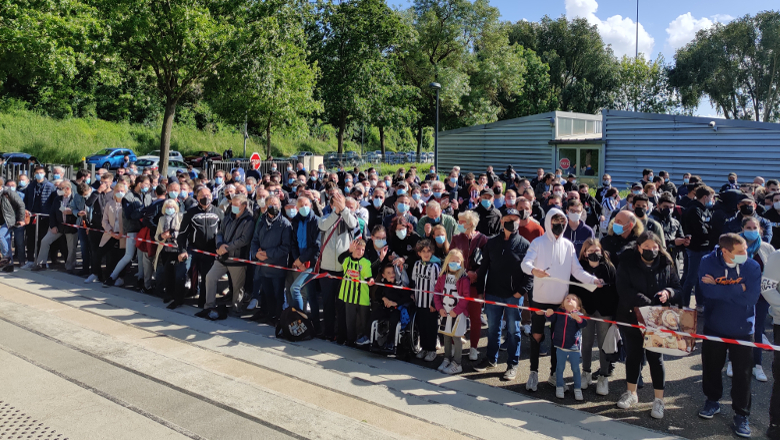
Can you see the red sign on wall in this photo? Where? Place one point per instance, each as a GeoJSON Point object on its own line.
{"type": "Point", "coordinates": [565, 164]}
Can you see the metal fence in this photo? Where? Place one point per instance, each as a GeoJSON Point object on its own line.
{"type": "Point", "coordinates": [12, 171]}
{"type": "Point", "coordinates": [333, 160]}
{"type": "Point", "coordinates": [229, 165]}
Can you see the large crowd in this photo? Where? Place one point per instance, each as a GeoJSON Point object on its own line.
{"type": "Point", "coordinates": [331, 243]}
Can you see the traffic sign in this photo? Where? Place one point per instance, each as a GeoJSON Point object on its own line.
{"type": "Point", "coordinates": [254, 159]}
{"type": "Point", "coordinates": [565, 164]}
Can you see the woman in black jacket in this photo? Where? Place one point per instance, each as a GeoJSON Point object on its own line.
{"type": "Point", "coordinates": [646, 276]}
{"type": "Point", "coordinates": [601, 303]}
{"type": "Point", "coordinates": [402, 240]}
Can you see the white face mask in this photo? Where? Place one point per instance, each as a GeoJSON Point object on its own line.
{"type": "Point", "coordinates": [574, 217]}
{"type": "Point", "coordinates": [777, 206]}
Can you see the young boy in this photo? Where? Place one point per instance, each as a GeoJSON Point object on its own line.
{"type": "Point", "coordinates": [354, 299]}
{"type": "Point", "coordinates": [386, 302]}
{"type": "Point", "coordinates": [424, 276]}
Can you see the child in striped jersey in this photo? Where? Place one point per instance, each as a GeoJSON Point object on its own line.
{"type": "Point", "coordinates": [423, 281]}
{"type": "Point", "coordinates": [454, 284]}
{"type": "Point", "coordinates": [354, 296]}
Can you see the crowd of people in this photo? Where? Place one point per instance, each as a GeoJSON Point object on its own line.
{"type": "Point", "coordinates": [331, 242]}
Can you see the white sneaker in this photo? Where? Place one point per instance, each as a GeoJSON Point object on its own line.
{"type": "Point", "coordinates": [438, 345]}
{"type": "Point", "coordinates": [252, 304]}
{"type": "Point", "coordinates": [454, 368]}
{"type": "Point", "coordinates": [627, 400]}
{"type": "Point", "coordinates": [430, 356]}
{"type": "Point", "coordinates": [473, 354]}
{"type": "Point", "coordinates": [658, 409]}
{"type": "Point", "coordinates": [444, 364]}
{"type": "Point", "coordinates": [729, 370]}
{"type": "Point", "coordinates": [559, 392]}
{"type": "Point", "coordinates": [91, 279]}
{"type": "Point", "coordinates": [483, 318]}
{"type": "Point", "coordinates": [29, 265]}
{"type": "Point", "coordinates": [587, 379]}
{"type": "Point", "coordinates": [119, 282]}
{"type": "Point", "coordinates": [602, 387]}
{"type": "Point", "coordinates": [578, 395]}
{"type": "Point", "coordinates": [758, 372]}
{"type": "Point", "coordinates": [552, 381]}
{"type": "Point", "coordinates": [533, 381]}
{"type": "Point", "coordinates": [527, 329]}
{"type": "Point", "coordinates": [223, 278]}
{"type": "Point", "coordinates": [188, 284]}
{"type": "Point", "coordinates": [421, 354]}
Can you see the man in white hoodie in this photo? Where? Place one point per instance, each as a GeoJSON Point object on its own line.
{"type": "Point", "coordinates": [550, 256]}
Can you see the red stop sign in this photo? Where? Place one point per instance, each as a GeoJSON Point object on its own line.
{"type": "Point", "coordinates": [254, 159]}
{"type": "Point", "coordinates": [565, 164]}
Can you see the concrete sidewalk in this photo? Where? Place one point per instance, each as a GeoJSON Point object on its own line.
{"type": "Point", "coordinates": [314, 389]}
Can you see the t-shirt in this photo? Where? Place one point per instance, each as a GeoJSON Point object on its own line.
{"type": "Point", "coordinates": [531, 231]}
{"type": "Point", "coordinates": [352, 291]}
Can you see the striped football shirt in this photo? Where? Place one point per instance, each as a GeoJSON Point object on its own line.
{"type": "Point", "coordinates": [352, 291]}
{"type": "Point", "coordinates": [424, 277]}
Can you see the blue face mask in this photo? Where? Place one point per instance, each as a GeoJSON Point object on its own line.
{"type": "Point", "coordinates": [751, 235]}
{"type": "Point", "coordinates": [454, 266]}
{"type": "Point", "coordinates": [441, 239]}
{"type": "Point", "coordinates": [88, 180]}
{"type": "Point", "coordinates": [347, 189]}
{"type": "Point", "coordinates": [686, 181]}
{"type": "Point", "coordinates": [22, 184]}
{"type": "Point", "coordinates": [39, 176]}
{"type": "Point", "coordinates": [144, 189]}
{"type": "Point", "coordinates": [290, 181]}
{"type": "Point", "coordinates": [313, 178]}
{"type": "Point", "coordinates": [190, 193]}
{"type": "Point", "coordinates": [416, 197]}
{"type": "Point", "coordinates": [460, 229]}
{"type": "Point", "coordinates": [400, 192]}
{"type": "Point", "coordinates": [617, 229]}
{"type": "Point", "coordinates": [437, 194]}
{"type": "Point", "coordinates": [453, 179]}
{"type": "Point", "coordinates": [606, 182]}
{"type": "Point", "coordinates": [403, 208]}
{"type": "Point", "coordinates": [170, 211]}
{"type": "Point", "coordinates": [11, 188]}
{"type": "Point", "coordinates": [401, 233]}
{"type": "Point", "coordinates": [235, 209]}
{"type": "Point", "coordinates": [56, 177]}
{"type": "Point", "coordinates": [437, 219]}
{"type": "Point", "coordinates": [218, 180]}
{"type": "Point", "coordinates": [485, 203]}
{"type": "Point", "coordinates": [710, 204]}
{"type": "Point", "coordinates": [304, 211]}
{"type": "Point", "coordinates": [740, 259]}
{"type": "Point", "coordinates": [378, 203]}
{"type": "Point", "coordinates": [380, 243]}
{"type": "Point", "coordinates": [173, 194]}
{"type": "Point", "coordinates": [292, 212]}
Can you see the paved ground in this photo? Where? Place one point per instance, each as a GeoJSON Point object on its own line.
{"type": "Point", "coordinates": [93, 363]}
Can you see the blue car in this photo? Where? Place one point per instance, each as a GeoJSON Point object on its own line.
{"type": "Point", "coordinates": [111, 158]}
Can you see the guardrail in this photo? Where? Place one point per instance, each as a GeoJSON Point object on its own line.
{"type": "Point", "coordinates": [12, 171]}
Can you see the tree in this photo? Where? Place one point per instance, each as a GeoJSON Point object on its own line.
{"type": "Point", "coordinates": [272, 87]}
{"type": "Point", "coordinates": [736, 65]}
{"type": "Point", "coordinates": [392, 103]}
{"type": "Point", "coordinates": [644, 86]}
{"type": "Point", "coordinates": [351, 41]}
{"type": "Point", "coordinates": [183, 42]}
{"type": "Point", "coordinates": [583, 70]}
{"type": "Point", "coordinates": [536, 95]}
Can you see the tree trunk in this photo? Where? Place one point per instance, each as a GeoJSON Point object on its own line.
{"type": "Point", "coordinates": [268, 139]}
{"type": "Point", "coordinates": [419, 139]}
{"type": "Point", "coordinates": [165, 136]}
{"type": "Point", "coordinates": [342, 128]}
{"type": "Point", "coordinates": [382, 140]}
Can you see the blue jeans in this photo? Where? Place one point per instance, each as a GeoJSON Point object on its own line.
{"type": "Point", "coordinates": [574, 358]}
{"type": "Point", "coordinates": [512, 316]}
{"type": "Point", "coordinates": [5, 241]}
{"type": "Point", "coordinates": [273, 290]}
{"type": "Point", "coordinates": [296, 289]}
{"type": "Point", "coordinates": [692, 278]}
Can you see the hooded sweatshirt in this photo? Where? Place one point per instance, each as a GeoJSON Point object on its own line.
{"type": "Point", "coordinates": [729, 311]}
{"type": "Point", "coordinates": [556, 256]}
{"type": "Point", "coordinates": [769, 285]}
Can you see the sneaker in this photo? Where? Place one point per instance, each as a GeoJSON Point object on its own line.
{"type": "Point", "coordinates": [9, 268]}
{"type": "Point", "coordinates": [29, 265]}
{"type": "Point", "coordinates": [430, 356]}
{"type": "Point", "coordinates": [454, 368]}
{"type": "Point", "coordinates": [213, 315]}
{"type": "Point", "coordinates": [108, 282]}
{"type": "Point", "coordinates": [729, 370]}
{"type": "Point", "coordinates": [710, 409]}
{"type": "Point", "coordinates": [188, 284]}
{"type": "Point", "coordinates": [119, 282]}
{"type": "Point", "coordinates": [91, 279]}
{"type": "Point", "coordinates": [699, 309]}
{"type": "Point", "coordinates": [658, 409]}
{"type": "Point", "coordinates": [553, 382]}
{"type": "Point", "coordinates": [578, 395]}
{"type": "Point", "coordinates": [444, 364]}
{"type": "Point", "coordinates": [485, 365]}
{"type": "Point", "coordinates": [533, 381]}
{"type": "Point", "coordinates": [627, 400]}
{"type": "Point", "coordinates": [602, 387]}
{"type": "Point", "coordinates": [252, 304]}
{"type": "Point", "coordinates": [483, 318]}
{"type": "Point", "coordinates": [363, 340]}
{"type": "Point", "coordinates": [758, 372]}
{"type": "Point", "coordinates": [39, 268]}
{"type": "Point", "coordinates": [527, 329]}
{"type": "Point", "coordinates": [741, 426]}
{"type": "Point", "coordinates": [438, 344]}
{"type": "Point", "coordinates": [587, 379]}
{"type": "Point", "coordinates": [473, 354]}
{"type": "Point", "coordinates": [773, 432]}
{"type": "Point", "coordinates": [559, 392]}
{"type": "Point", "coordinates": [421, 354]}
{"type": "Point", "coordinates": [511, 373]}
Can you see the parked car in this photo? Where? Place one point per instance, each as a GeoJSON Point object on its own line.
{"type": "Point", "coordinates": [111, 158]}
{"type": "Point", "coordinates": [373, 156]}
{"type": "Point", "coordinates": [175, 155]}
{"type": "Point", "coordinates": [153, 163]}
{"type": "Point", "coordinates": [19, 158]}
{"type": "Point", "coordinates": [330, 159]}
{"type": "Point", "coordinates": [197, 160]}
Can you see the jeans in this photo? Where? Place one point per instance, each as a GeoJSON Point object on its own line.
{"type": "Point", "coordinates": [512, 316]}
{"type": "Point", "coordinates": [574, 359]}
{"type": "Point", "coordinates": [5, 241]}
{"type": "Point", "coordinates": [762, 308]}
{"type": "Point", "coordinates": [692, 277]}
{"type": "Point", "coordinates": [297, 297]}
{"type": "Point", "coordinates": [18, 233]}
{"type": "Point", "coordinates": [128, 258]}
{"type": "Point", "coordinates": [713, 357]}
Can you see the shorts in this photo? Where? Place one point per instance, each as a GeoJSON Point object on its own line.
{"type": "Point", "coordinates": [539, 321]}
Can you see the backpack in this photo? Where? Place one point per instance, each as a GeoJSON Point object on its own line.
{"type": "Point", "coordinates": [294, 325]}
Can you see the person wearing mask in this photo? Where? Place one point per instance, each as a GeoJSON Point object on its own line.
{"type": "Point", "coordinates": [314, 183]}
{"type": "Point", "coordinates": [747, 208]}
{"type": "Point", "coordinates": [133, 205]}
{"type": "Point", "coordinates": [538, 178]}
{"type": "Point", "coordinates": [682, 191]}
{"type": "Point", "coordinates": [11, 218]}
{"type": "Point", "coordinates": [697, 223]}
{"type": "Point", "coordinates": [642, 209]}
{"type": "Point", "coordinates": [218, 185]}
{"type": "Point", "coordinates": [528, 227]}
{"type": "Point", "coordinates": [59, 214]}
{"type": "Point", "coordinates": [647, 177]}
{"type": "Point", "coordinates": [378, 212]}
{"type": "Point", "coordinates": [510, 202]}
{"type": "Point", "coordinates": [730, 285]}
{"type": "Point", "coordinates": [621, 236]}
{"type": "Point", "coordinates": [591, 208]}
{"type": "Point", "coordinates": [645, 277]}
{"type": "Point", "coordinates": [470, 242]}
{"type": "Point", "coordinates": [610, 205]}
{"type": "Point", "coordinates": [501, 279]}
{"type": "Point", "coordinates": [402, 242]}
{"type": "Point", "coordinates": [672, 229]}
{"type": "Point", "coordinates": [773, 216]}
{"type": "Point", "coordinates": [544, 188]}
{"type": "Point", "coordinates": [606, 185]}
{"type": "Point", "coordinates": [732, 183]}
{"type": "Point", "coordinates": [38, 198]}
{"type": "Point", "coordinates": [571, 183]}
{"type": "Point", "coordinates": [403, 206]}
{"type": "Point", "coordinates": [536, 208]}
{"type": "Point", "coordinates": [576, 229]}
{"type": "Point", "coordinates": [95, 206]}
{"type": "Point", "coordinates": [489, 216]}
{"type": "Point", "coordinates": [667, 185]}
{"type": "Point", "coordinates": [112, 242]}
{"type": "Point", "coordinates": [433, 217]}
{"type": "Point", "coordinates": [551, 255]}
{"type": "Point", "coordinates": [165, 257]}
{"type": "Point", "coordinates": [305, 250]}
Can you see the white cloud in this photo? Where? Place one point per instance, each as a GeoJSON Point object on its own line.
{"type": "Point", "coordinates": [618, 31]}
{"type": "Point", "coordinates": [683, 29]}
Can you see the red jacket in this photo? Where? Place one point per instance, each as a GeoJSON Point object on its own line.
{"type": "Point", "coordinates": [463, 287]}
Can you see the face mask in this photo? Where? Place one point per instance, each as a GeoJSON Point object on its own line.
{"type": "Point", "coordinates": [403, 208]}
{"type": "Point", "coordinates": [56, 177]}
{"type": "Point", "coordinates": [740, 259]}
{"type": "Point", "coordinates": [416, 196]}
{"type": "Point", "coordinates": [751, 235]}
{"type": "Point", "coordinates": [453, 180]}
{"type": "Point", "coordinates": [606, 182]}
{"type": "Point", "coordinates": [686, 180]}
{"type": "Point", "coordinates": [710, 204]}
{"type": "Point", "coordinates": [170, 211]}
{"type": "Point", "coordinates": [88, 180]}
{"type": "Point", "coordinates": [594, 257]}
{"type": "Point", "coordinates": [289, 169]}
{"type": "Point", "coordinates": [574, 182]}
{"type": "Point", "coordinates": [557, 228]}
{"type": "Point", "coordinates": [485, 203]}
{"type": "Point", "coordinates": [617, 229]}
{"type": "Point", "coordinates": [574, 217]}
{"type": "Point", "coordinates": [173, 194]}
{"type": "Point", "coordinates": [558, 193]}
{"type": "Point", "coordinates": [378, 203]}
{"type": "Point", "coordinates": [732, 181]}
{"type": "Point", "coordinates": [400, 192]}
{"type": "Point", "coordinates": [510, 226]}
{"type": "Point", "coordinates": [665, 212]}
{"type": "Point", "coordinates": [437, 220]}
{"type": "Point", "coordinates": [11, 188]}
{"type": "Point", "coordinates": [273, 210]}
{"type": "Point", "coordinates": [426, 190]}
{"type": "Point", "coordinates": [460, 229]}
{"type": "Point", "coordinates": [204, 201]}
{"type": "Point", "coordinates": [558, 176]}
{"type": "Point", "coordinates": [401, 234]}
{"type": "Point", "coordinates": [640, 212]}
{"type": "Point", "coordinates": [524, 214]}
{"type": "Point", "coordinates": [60, 192]}
{"type": "Point", "coordinates": [637, 192]}
{"type": "Point", "coordinates": [218, 180]}
{"type": "Point", "coordinates": [119, 195]}
{"type": "Point", "coordinates": [292, 212]}
{"type": "Point", "coordinates": [389, 183]}
{"type": "Point", "coordinates": [436, 194]}
{"type": "Point", "coordinates": [39, 177]}
{"type": "Point", "coordinates": [22, 184]}
{"type": "Point", "coordinates": [440, 239]}
{"type": "Point", "coordinates": [144, 189]}
{"type": "Point", "coordinates": [747, 210]}
{"type": "Point", "coordinates": [649, 255]}
{"type": "Point", "coordinates": [380, 243]}
{"type": "Point", "coordinates": [454, 266]}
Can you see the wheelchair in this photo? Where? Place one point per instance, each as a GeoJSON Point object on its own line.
{"type": "Point", "coordinates": [407, 339]}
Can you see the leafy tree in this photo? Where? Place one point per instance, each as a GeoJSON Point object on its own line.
{"type": "Point", "coordinates": [644, 86]}
{"type": "Point", "coordinates": [391, 106]}
{"type": "Point", "coordinates": [737, 65]}
{"type": "Point", "coordinates": [536, 95]}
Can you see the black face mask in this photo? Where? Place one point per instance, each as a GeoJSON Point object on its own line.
{"type": "Point", "coordinates": [557, 228]}
{"type": "Point", "coordinates": [649, 255]}
{"type": "Point", "coordinates": [665, 212]}
{"type": "Point", "coordinates": [640, 212]}
{"type": "Point", "coordinates": [510, 226]}
{"type": "Point", "coordinates": [594, 257]}
{"type": "Point", "coordinates": [747, 210]}
{"type": "Point", "coordinates": [273, 210]}
{"type": "Point", "coordinates": [204, 201]}
{"type": "Point", "coordinates": [523, 214]}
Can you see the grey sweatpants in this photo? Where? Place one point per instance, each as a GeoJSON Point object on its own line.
{"type": "Point", "coordinates": [49, 239]}
{"type": "Point", "coordinates": [237, 275]}
{"type": "Point", "coordinates": [448, 343]}
{"type": "Point", "coordinates": [588, 335]}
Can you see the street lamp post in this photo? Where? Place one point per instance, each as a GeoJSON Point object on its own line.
{"type": "Point", "coordinates": [436, 86]}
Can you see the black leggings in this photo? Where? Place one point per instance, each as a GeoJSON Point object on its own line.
{"type": "Point", "coordinates": [428, 326]}
{"type": "Point", "coordinates": [633, 341]}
